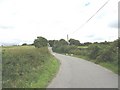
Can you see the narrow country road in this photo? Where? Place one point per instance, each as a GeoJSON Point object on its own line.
{"type": "Point", "coordinates": [79, 73]}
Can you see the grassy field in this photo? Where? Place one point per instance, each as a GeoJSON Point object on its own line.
{"type": "Point", "coordinates": [82, 46]}
{"type": "Point", "coordinates": [27, 67]}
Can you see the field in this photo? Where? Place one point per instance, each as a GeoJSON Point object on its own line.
{"type": "Point", "coordinates": [27, 67]}
{"type": "Point", "coordinates": [82, 46]}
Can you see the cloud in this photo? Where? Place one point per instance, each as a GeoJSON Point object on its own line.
{"type": "Point", "coordinates": [87, 4]}
{"type": "Point", "coordinates": [98, 39]}
{"type": "Point", "coordinates": [14, 42]}
{"type": "Point", "coordinates": [6, 27]}
{"type": "Point", "coordinates": [115, 24]}
{"type": "Point", "coordinates": [90, 36]}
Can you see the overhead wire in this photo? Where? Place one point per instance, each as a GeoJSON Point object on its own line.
{"type": "Point", "coordinates": [91, 17]}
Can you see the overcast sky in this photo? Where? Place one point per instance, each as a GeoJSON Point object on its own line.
{"type": "Point", "coordinates": [23, 20]}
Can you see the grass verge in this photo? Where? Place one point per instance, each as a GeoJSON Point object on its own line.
{"type": "Point", "coordinates": [47, 74]}
{"type": "Point", "coordinates": [108, 65]}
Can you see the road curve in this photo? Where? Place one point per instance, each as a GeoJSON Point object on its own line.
{"type": "Point", "coordinates": [79, 73]}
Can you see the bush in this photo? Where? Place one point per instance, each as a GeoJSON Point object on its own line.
{"type": "Point", "coordinates": [60, 49]}
{"type": "Point", "coordinates": [93, 51]}
{"type": "Point", "coordinates": [75, 51]}
{"type": "Point", "coordinates": [108, 54]}
{"type": "Point", "coordinates": [74, 42]}
{"type": "Point", "coordinates": [66, 49]}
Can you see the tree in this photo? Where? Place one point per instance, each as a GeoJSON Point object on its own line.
{"type": "Point", "coordinates": [51, 42]}
{"type": "Point", "coordinates": [87, 43]}
{"type": "Point", "coordinates": [40, 42]}
{"type": "Point", "coordinates": [59, 46]}
{"type": "Point", "coordinates": [93, 50]}
{"type": "Point", "coordinates": [24, 44]}
{"type": "Point", "coordinates": [63, 42]}
{"type": "Point", "coordinates": [74, 42]}
{"type": "Point", "coordinates": [59, 43]}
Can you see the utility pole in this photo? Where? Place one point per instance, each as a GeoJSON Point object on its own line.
{"type": "Point", "coordinates": [67, 38]}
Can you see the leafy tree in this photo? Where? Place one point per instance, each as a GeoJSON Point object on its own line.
{"type": "Point", "coordinates": [109, 53]}
{"type": "Point", "coordinates": [93, 51]}
{"type": "Point", "coordinates": [59, 43]}
{"type": "Point", "coordinates": [74, 42]}
{"type": "Point", "coordinates": [63, 42]}
{"type": "Point", "coordinates": [105, 43]}
{"type": "Point", "coordinates": [60, 46]}
{"type": "Point", "coordinates": [51, 42]}
{"type": "Point", "coordinates": [24, 44]}
{"type": "Point", "coordinates": [87, 43]}
{"type": "Point", "coordinates": [40, 42]}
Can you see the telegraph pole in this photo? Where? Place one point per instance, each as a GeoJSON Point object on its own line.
{"type": "Point", "coordinates": [67, 38]}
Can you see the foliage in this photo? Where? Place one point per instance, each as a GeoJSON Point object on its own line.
{"type": "Point", "coordinates": [24, 66]}
{"type": "Point", "coordinates": [86, 43]}
{"type": "Point", "coordinates": [24, 44]}
{"type": "Point", "coordinates": [51, 42]}
{"type": "Point", "coordinates": [60, 46]}
{"type": "Point", "coordinates": [93, 51]}
{"type": "Point", "coordinates": [67, 49]}
{"type": "Point", "coordinates": [60, 49]}
{"type": "Point", "coordinates": [104, 52]}
{"type": "Point", "coordinates": [63, 42]}
{"type": "Point", "coordinates": [40, 42]}
{"type": "Point", "coordinates": [108, 54]}
{"type": "Point", "coordinates": [74, 42]}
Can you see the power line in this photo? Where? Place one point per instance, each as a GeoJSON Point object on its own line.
{"type": "Point", "coordinates": [91, 16]}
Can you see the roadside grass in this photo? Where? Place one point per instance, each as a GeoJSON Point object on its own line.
{"type": "Point", "coordinates": [47, 74]}
{"type": "Point", "coordinates": [111, 66]}
{"type": "Point", "coordinates": [27, 67]}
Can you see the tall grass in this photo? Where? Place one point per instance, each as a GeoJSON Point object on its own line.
{"type": "Point", "coordinates": [27, 66]}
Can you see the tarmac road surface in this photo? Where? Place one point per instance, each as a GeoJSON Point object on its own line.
{"type": "Point", "coordinates": [78, 73]}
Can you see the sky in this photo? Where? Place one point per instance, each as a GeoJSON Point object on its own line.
{"type": "Point", "coordinates": [21, 21]}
